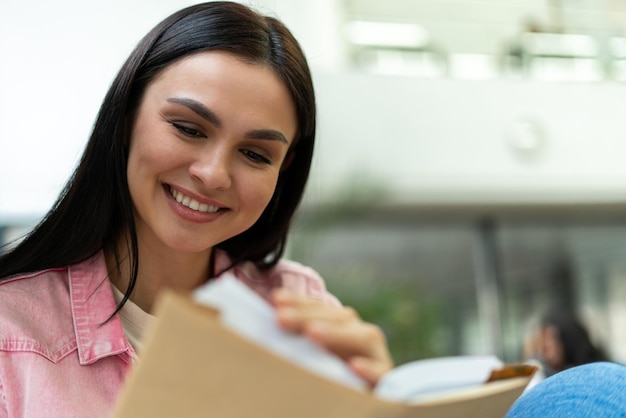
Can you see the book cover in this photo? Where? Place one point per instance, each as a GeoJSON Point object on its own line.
{"type": "Point", "coordinates": [194, 365]}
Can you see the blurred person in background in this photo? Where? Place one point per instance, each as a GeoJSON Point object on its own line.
{"type": "Point", "coordinates": [566, 342]}
{"type": "Point", "coordinates": [576, 379]}
{"type": "Point", "coordinates": [561, 342]}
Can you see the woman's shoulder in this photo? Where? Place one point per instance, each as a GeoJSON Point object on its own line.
{"type": "Point", "coordinates": [20, 288]}
{"type": "Point", "coordinates": [288, 274]}
{"type": "Point", "coordinates": [34, 311]}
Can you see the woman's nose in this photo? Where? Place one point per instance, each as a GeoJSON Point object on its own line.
{"type": "Point", "coordinates": [212, 169]}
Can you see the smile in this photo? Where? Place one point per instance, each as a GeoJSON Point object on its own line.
{"type": "Point", "coordinates": [192, 203]}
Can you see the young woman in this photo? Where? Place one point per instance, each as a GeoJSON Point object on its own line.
{"type": "Point", "coordinates": [566, 343]}
{"type": "Point", "coordinates": [581, 381]}
{"type": "Point", "coordinates": [195, 166]}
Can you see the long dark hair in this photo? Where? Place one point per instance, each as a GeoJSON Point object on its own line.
{"type": "Point", "coordinates": [578, 347]}
{"type": "Point", "coordinates": [95, 206]}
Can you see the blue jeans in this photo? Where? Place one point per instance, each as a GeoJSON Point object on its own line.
{"type": "Point", "coordinates": [596, 390]}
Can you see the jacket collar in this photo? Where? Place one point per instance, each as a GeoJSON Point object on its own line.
{"type": "Point", "coordinates": [98, 334]}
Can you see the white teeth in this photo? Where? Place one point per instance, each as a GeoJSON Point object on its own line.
{"type": "Point", "coordinates": [191, 203]}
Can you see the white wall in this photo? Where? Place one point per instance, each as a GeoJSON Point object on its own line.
{"type": "Point", "coordinates": [425, 140]}
{"type": "Point", "coordinates": [443, 140]}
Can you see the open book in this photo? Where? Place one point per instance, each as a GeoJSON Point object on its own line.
{"type": "Point", "coordinates": [249, 315]}
{"type": "Point", "coordinates": [220, 353]}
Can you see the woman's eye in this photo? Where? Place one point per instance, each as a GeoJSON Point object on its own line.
{"type": "Point", "coordinates": [187, 131]}
{"type": "Point", "coordinates": [255, 157]}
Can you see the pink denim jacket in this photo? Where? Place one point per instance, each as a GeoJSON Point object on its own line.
{"type": "Point", "coordinates": [58, 355]}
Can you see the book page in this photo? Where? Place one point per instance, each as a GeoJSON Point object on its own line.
{"type": "Point", "coordinates": [423, 379]}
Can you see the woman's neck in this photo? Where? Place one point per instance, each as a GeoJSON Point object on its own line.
{"type": "Point", "coordinates": [158, 270]}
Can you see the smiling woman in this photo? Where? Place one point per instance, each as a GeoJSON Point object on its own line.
{"type": "Point", "coordinates": [223, 149]}
{"type": "Point", "coordinates": [195, 166]}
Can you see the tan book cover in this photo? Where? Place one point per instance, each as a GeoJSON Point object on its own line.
{"type": "Point", "coordinates": [193, 366]}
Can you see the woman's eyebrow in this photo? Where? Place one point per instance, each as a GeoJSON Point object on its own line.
{"type": "Point", "coordinates": [198, 108]}
{"type": "Point", "coordinates": [267, 134]}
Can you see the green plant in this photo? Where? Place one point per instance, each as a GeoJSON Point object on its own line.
{"type": "Point", "coordinates": [410, 319]}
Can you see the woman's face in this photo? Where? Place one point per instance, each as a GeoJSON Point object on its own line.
{"type": "Point", "coordinates": [552, 348]}
{"type": "Point", "coordinates": [206, 150]}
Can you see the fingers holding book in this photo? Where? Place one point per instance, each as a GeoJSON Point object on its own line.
{"type": "Point", "coordinates": [338, 329]}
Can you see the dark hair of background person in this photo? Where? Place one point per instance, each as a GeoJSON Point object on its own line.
{"type": "Point", "coordinates": [576, 343]}
{"type": "Point", "coordinates": [95, 206]}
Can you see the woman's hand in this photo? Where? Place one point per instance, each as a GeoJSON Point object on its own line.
{"type": "Point", "coordinates": [338, 329]}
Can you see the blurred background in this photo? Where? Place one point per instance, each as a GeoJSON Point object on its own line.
{"type": "Point", "coordinates": [470, 167]}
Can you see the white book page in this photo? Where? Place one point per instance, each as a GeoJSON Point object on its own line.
{"type": "Point", "coordinates": [246, 313]}
{"type": "Point", "coordinates": [425, 379]}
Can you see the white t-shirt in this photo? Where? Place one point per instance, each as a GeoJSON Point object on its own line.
{"type": "Point", "coordinates": [134, 320]}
